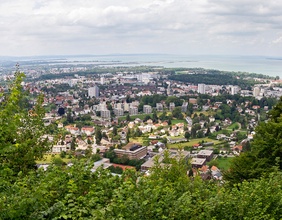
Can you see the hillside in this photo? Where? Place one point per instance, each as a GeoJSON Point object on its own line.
{"type": "Point", "coordinates": [251, 188]}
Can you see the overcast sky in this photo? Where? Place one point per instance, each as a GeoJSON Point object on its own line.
{"type": "Point", "coordinates": [68, 27]}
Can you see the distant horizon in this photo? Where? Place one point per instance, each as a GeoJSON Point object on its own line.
{"type": "Point", "coordinates": [267, 65]}
{"type": "Point", "coordinates": [139, 54]}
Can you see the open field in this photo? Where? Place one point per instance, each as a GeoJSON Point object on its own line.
{"type": "Point", "coordinates": [192, 142]}
{"type": "Point", "coordinates": [234, 126]}
{"type": "Point", "coordinates": [224, 162]}
{"type": "Point", "coordinates": [206, 113]}
{"type": "Point", "coordinates": [136, 140]}
{"type": "Point", "coordinates": [48, 158]}
{"type": "Point", "coordinates": [175, 121]}
{"type": "Point", "coordinates": [132, 117]}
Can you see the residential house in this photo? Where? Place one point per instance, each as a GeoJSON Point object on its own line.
{"type": "Point", "coordinates": [88, 130]}
{"type": "Point", "coordinates": [198, 162]}
{"type": "Point", "coordinates": [207, 154]}
{"type": "Point", "coordinates": [73, 129]}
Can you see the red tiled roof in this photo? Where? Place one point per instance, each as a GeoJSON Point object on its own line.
{"type": "Point", "coordinates": [204, 168]}
{"type": "Point", "coordinates": [214, 168]}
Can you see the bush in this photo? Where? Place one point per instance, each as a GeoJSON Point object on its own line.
{"type": "Point", "coordinates": [58, 161]}
{"type": "Point", "coordinates": [63, 154]}
{"type": "Point", "coordinates": [117, 170]}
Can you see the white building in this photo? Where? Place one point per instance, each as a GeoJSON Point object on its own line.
{"type": "Point", "coordinates": [184, 107]}
{"type": "Point", "coordinates": [126, 106]}
{"type": "Point", "coordinates": [59, 148]}
{"type": "Point", "coordinates": [171, 106]}
{"type": "Point", "coordinates": [234, 90]}
{"type": "Point", "coordinates": [133, 111]}
{"type": "Point", "coordinates": [106, 114]}
{"type": "Point", "coordinates": [159, 106]}
{"type": "Point", "coordinates": [256, 91]}
{"type": "Point", "coordinates": [102, 106]}
{"type": "Point", "coordinates": [202, 88]}
{"type": "Point", "coordinates": [93, 91]}
{"type": "Point", "coordinates": [102, 81]}
{"type": "Point", "coordinates": [118, 111]}
{"type": "Point", "coordinates": [118, 105]}
{"type": "Point", "coordinates": [147, 109]}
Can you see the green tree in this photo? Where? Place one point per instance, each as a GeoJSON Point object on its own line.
{"type": "Point", "coordinates": [155, 117]}
{"type": "Point", "coordinates": [265, 154]}
{"type": "Point", "coordinates": [177, 113]}
{"type": "Point", "coordinates": [73, 144]}
{"type": "Point", "coordinates": [137, 132]}
{"type": "Point", "coordinates": [22, 130]}
{"type": "Point", "coordinates": [98, 135]}
{"type": "Point", "coordinates": [187, 135]}
{"type": "Point", "coordinates": [58, 161]}
{"type": "Point", "coordinates": [115, 131]}
{"type": "Point", "coordinates": [128, 118]}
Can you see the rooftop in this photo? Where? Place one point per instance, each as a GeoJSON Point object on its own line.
{"type": "Point", "coordinates": [198, 161]}
{"type": "Point", "coordinates": [205, 152]}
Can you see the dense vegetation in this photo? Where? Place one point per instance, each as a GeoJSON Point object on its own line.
{"type": "Point", "coordinates": [167, 193]}
{"type": "Point", "coordinates": [212, 78]}
{"type": "Point", "coordinates": [265, 153]}
{"type": "Point", "coordinates": [22, 130]}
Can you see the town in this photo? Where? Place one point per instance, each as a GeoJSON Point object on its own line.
{"type": "Point", "coordinates": [125, 118]}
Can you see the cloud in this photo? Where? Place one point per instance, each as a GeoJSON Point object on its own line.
{"type": "Point", "coordinates": [277, 40]}
{"type": "Point", "coordinates": [139, 26]}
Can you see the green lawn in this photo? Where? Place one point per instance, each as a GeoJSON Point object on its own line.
{"type": "Point", "coordinates": [192, 142]}
{"type": "Point", "coordinates": [136, 140]}
{"type": "Point", "coordinates": [175, 121]}
{"type": "Point", "coordinates": [132, 117]}
{"type": "Point", "coordinates": [224, 162]}
{"type": "Point", "coordinates": [48, 158]}
{"type": "Point", "coordinates": [206, 113]}
{"type": "Point", "coordinates": [234, 126]}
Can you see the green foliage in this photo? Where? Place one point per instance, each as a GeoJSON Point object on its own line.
{"type": "Point", "coordinates": [176, 100]}
{"type": "Point", "coordinates": [117, 169]}
{"type": "Point", "coordinates": [22, 130]}
{"type": "Point", "coordinates": [265, 153]}
{"type": "Point", "coordinates": [213, 163]}
{"type": "Point", "coordinates": [167, 193]}
{"type": "Point", "coordinates": [151, 100]}
{"type": "Point", "coordinates": [213, 77]}
{"type": "Point", "coordinates": [77, 192]}
{"type": "Point", "coordinates": [176, 113]}
{"type": "Point", "coordinates": [63, 154]}
{"type": "Point", "coordinates": [57, 161]}
{"type": "Point", "coordinates": [98, 135]}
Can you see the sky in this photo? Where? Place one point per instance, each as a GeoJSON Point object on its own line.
{"type": "Point", "coordinates": [72, 27]}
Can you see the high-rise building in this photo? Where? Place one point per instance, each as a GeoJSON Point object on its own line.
{"type": "Point", "coordinates": [118, 111]}
{"type": "Point", "coordinates": [184, 107]}
{"type": "Point", "coordinates": [118, 105]}
{"type": "Point", "coordinates": [102, 81]}
{"type": "Point", "coordinates": [93, 91]}
{"type": "Point", "coordinates": [159, 106]}
{"type": "Point", "coordinates": [106, 114]}
{"type": "Point", "coordinates": [102, 106]}
{"type": "Point", "coordinates": [147, 109]}
{"type": "Point", "coordinates": [171, 106]}
{"type": "Point", "coordinates": [234, 90]}
{"type": "Point", "coordinates": [256, 91]}
{"type": "Point", "coordinates": [133, 111]}
{"type": "Point", "coordinates": [126, 106]}
{"type": "Point", "coordinates": [202, 88]}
